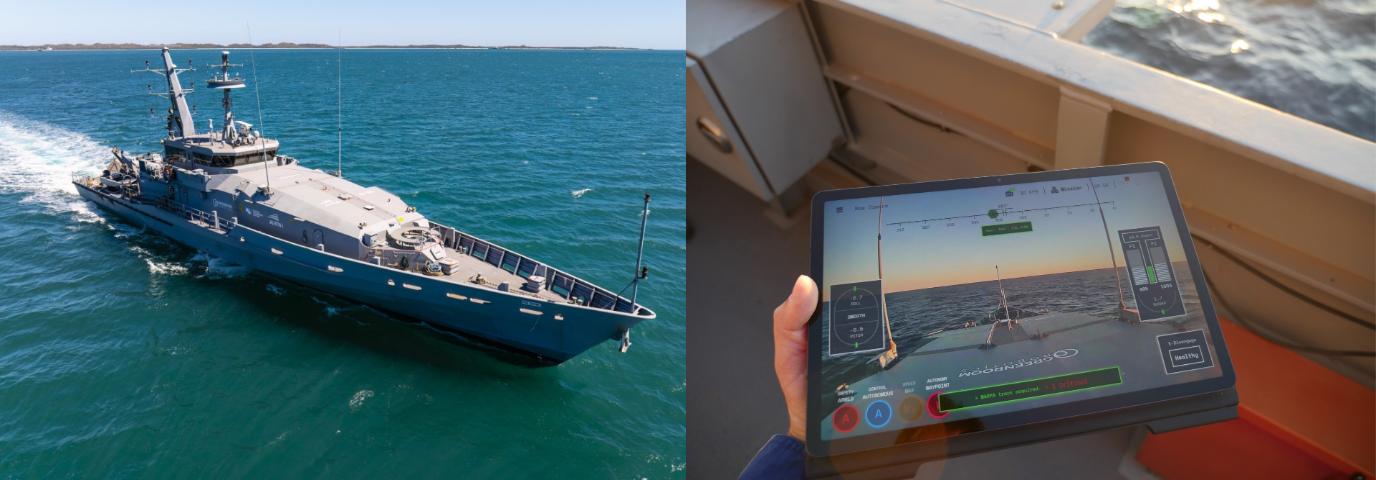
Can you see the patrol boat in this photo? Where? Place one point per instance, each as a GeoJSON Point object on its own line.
{"type": "Point", "coordinates": [230, 193]}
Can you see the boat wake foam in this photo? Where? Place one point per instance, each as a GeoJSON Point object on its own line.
{"type": "Point", "coordinates": [38, 159]}
{"type": "Point", "coordinates": [218, 268]}
{"type": "Point", "coordinates": [166, 268]}
{"type": "Point", "coordinates": [158, 264]}
{"type": "Point", "coordinates": [331, 309]}
{"type": "Point", "coordinates": [356, 402]}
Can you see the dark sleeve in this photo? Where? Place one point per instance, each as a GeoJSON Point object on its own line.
{"type": "Point", "coordinates": [781, 457]}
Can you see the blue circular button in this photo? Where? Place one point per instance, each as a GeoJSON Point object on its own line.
{"type": "Point", "coordinates": [878, 414]}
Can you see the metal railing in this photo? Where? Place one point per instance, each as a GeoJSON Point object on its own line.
{"type": "Point", "coordinates": [564, 285]}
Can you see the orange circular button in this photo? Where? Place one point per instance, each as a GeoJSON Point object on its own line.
{"type": "Point", "coordinates": [911, 408]}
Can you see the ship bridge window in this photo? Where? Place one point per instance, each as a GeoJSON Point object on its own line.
{"type": "Point", "coordinates": [257, 157]}
{"type": "Point", "coordinates": [201, 158]}
{"type": "Point", "coordinates": [175, 155]}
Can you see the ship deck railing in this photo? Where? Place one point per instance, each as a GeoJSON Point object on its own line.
{"type": "Point", "coordinates": [562, 284]}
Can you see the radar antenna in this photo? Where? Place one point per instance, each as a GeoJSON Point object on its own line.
{"type": "Point", "coordinates": [225, 82]}
{"type": "Point", "coordinates": [179, 121]}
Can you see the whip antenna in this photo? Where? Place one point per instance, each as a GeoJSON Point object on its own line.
{"type": "Point", "coordinates": [252, 59]}
{"type": "Point", "coordinates": [640, 271]}
{"type": "Point", "coordinates": [339, 103]}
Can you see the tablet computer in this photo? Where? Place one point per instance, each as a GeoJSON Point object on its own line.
{"type": "Point", "coordinates": [964, 315]}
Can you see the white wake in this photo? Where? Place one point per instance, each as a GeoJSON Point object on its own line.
{"type": "Point", "coordinates": [38, 159]}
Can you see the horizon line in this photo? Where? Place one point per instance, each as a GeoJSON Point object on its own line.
{"type": "Point", "coordinates": [284, 45]}
{"type": "Point", "coordinates": [1110, 267]}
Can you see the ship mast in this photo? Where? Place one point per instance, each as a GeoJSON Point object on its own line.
{"type": "Point", "coordinates": [225, 82]}
{"type": "Point", "coordinates": [1117, 282]}
{"type": "Point", "coordinates": [889, 355]}
{"type": "Point", "coordinates": [1003, 296]}
{"type": "Point", "coordinates": [179, 121]}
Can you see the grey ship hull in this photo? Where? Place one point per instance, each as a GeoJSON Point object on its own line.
{"type": "Point", "coordinates": [548, 331]}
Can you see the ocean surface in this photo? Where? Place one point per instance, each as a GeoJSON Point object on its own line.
{"type": "Point", "coordinates": [1312, 58]}
{"type": "Point", "coordinates": [914, 315]}
{"type": "Point", "coordinates": [125, 355]}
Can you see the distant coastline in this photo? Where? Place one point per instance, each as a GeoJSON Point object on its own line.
{"type": "Point", "coordinates": [284, 45]}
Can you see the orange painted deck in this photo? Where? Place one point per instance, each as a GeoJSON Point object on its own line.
{"type": "Point", "coordinates": [1296, 419]}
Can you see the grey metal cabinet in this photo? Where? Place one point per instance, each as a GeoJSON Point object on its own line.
{"type": "Point", "coordinates": [759, 109]}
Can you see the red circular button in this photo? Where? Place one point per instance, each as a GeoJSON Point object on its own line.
{"type": "Point", "coordinates": [845, 418]}
{"type": "Point", "coordinates": [934, 406]}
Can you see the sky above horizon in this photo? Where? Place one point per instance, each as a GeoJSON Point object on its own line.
{"type": "Point", "coordinates": [1065, 239]}
{"type": "Point", "coordinates": [657, 24]}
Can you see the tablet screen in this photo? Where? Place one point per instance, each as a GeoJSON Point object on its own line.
{"type": "Point", "coordinates": [963, 304]}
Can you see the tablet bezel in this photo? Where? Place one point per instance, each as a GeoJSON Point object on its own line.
{"type": "Point", "coordinates": [923, 434]}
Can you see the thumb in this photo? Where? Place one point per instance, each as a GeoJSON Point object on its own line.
{"type": "Point", "coordinates": [794, 313]}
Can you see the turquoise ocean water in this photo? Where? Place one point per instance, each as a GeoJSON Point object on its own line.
{"type": "Point", "coordinates": [125, 355]}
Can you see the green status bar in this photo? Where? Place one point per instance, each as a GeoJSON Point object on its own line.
{"type": "Point", "coordinates": [1006, 228]}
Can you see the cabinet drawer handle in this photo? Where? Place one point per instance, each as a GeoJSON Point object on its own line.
{"type": "Point", "coordinates": [714, 134]}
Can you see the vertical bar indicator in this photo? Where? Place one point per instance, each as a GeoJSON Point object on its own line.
{"type": "Point", "coordinates": [1150, 271]}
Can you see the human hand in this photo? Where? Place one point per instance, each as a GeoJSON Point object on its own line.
{"type": "Point", "coordinates": [790, 351]}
